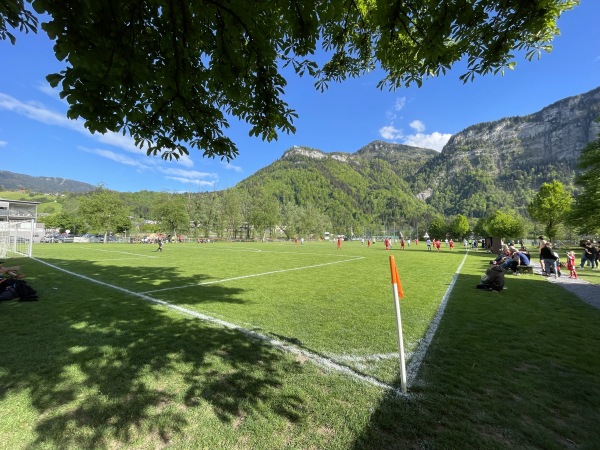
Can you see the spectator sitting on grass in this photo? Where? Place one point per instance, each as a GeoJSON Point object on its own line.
{"type": "Point", "coordinates": [493, 280]}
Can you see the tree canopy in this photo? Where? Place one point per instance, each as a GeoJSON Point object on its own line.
{"type": "Point", "coordinates": [172, 74]}
{"type": "Point", "coordinates": [104, 210]}
{"type": "Point", "coordinates": [503, 225]}
{"type": "Point", "coordinates": [551, 207]}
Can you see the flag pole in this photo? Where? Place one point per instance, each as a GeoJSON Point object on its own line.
{"type": "Point", "coordinates": [398, 292]}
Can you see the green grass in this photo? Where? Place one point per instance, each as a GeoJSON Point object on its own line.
{"type": "Point", "coordinates": [89, 366]}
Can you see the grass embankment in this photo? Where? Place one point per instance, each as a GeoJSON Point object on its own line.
{"type": "Point", "coordinates": [89, 366]}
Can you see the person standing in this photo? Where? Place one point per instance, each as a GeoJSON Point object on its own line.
{"type": "Point", "coordinates": [594, 256]}
{"type": "Point", "coordinates": [550, 260]}
{"type": "Point", "coordinates": [571, 265]}
{"type": "Point", "coordinates": [541, 245]}
{"type": "Point", "coordinates": [160, 245]}
{"type": "Point", "coordinates": [587, 254]}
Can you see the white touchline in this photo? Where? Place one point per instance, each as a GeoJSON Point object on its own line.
{"type": "Point", "coordinates": [421, 350]}
{"type": "Point", "coordinates": [124, 253]}
{"type": "Point", "coordinates": [253, 275]}
{"type": "Point", "coordinates": [317, 359]}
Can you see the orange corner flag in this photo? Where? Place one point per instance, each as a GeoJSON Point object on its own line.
{"type": "Point", "coordinates": [395, 277]}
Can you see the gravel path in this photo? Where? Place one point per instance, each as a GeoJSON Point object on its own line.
{"type": "Point", "coordinates": [586, 291]}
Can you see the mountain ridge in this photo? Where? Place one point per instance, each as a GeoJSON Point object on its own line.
{"type": "Point", "coordinates": [490, 165]}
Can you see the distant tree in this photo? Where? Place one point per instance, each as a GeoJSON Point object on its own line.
{"type": "Point", "coordinates": [438, 228]}
{"type": "Point", "coordinates": [313, 221]}
{"type": "Point", "coordinates": [291, 219]}
{"type": "Point", "coordinates": [231, 211]}
{"type": "Point", "coordinates": [264, 212]}
{"type": "Point", "coordinates": [585, 215]}
{"type": "Point", "coordinates": [170, 211]}
{"type": "Point", "coordinates": [551, 206]}
{"type": "Point", "coordinates": [172, 73]}
{"type": "Point", "coordinates": [103, 210]}
{"type": "Point", "coordinates": [64, 221]}
{"type": "Point", "coordinates": [459, 226]}
{"type": "Point", "coordinates": [503, 225]}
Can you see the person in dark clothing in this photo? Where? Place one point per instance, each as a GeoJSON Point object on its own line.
{"type": "Point", "coordinates": [550, 259]}
{"type": "Point", "coordinates": [587, 255]}
{"type": "Point", "coordinates": [493, 279]}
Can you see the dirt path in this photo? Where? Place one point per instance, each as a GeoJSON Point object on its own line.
{"type": "Point", "coordinates": [586, 291]}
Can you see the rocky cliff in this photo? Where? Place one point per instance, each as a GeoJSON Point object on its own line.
{"type": "Point", "coordinates": [556, 134]}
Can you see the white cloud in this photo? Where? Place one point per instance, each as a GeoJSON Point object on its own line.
{"type": "Point", "coordinates": [434, 141]}
{"type": "Point", "coordinates": [116, 157]}
{"type": "Point", "coordinates": [390, 132]}
{"type": "Point", "coordinates": [45, 88]}
{"type": "Point", "coordinates": [187, 173]}
{"type": "Point", "coordinates": [38, 113]}
{"type": "Point", "coordinates": [185, 161]}
{"type": "Point", "coordinates": [417, 125]}
{"type": "Point", "coordinates": [229, 166]}
{"type": "Point", "coordinates": [157, 165]}
{"type": "Point", "coordinates": [400, 103]}
{"type": "Point", "coordinates": [191, 181]}
{"type": "Point", "coordinates": [117, 140]}
{"type": "Point", "coordinates": [3, 143]}
{"type": "Point", "coordinates": [41, 113]}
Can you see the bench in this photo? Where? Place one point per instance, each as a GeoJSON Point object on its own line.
{"type": "Point", "coordinates": [525, 269]}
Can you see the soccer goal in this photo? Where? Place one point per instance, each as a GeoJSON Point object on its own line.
{"type": "Point", "coordinates": [16, 238]}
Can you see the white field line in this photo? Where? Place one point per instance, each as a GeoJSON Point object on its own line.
{"type": "Point", "coordinates": [317, 359]}
{"type": "Point", "coordinates": [254, 275]}
{"type": "Point", "coordinates": [116, 251]}
{"type": "Point", "coordinates": [374, 357]}
{"type": "Point", "coordinates": [252, 250]}
{"type": "Point", "coordinates": [421, 350]}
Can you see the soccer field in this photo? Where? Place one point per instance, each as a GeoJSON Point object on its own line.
{"type": "Point", "coordinates": [252, 345]}
{"type": "Point", "coordinates": [313, 298]}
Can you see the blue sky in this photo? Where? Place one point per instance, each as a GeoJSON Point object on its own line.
{"type": "Point", "coordinates": [37, 139]}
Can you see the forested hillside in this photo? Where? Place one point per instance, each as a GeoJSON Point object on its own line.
{"type": "Point", "coordinates": [355, 191]}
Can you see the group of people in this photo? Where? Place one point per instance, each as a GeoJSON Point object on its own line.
{"type": "Point", "coordinates": [511, 258]}
{"type": "Point", "coordinates": [437, 244]}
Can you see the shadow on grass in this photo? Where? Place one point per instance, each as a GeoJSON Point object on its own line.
{"type": "Point", "coordinates": [515, 369]}
{"type": "Point", "coordinates": [104, 369]}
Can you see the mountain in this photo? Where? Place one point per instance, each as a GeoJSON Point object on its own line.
{"type": "Point", "coordinates": [365, 187]}
{"type": "Point", "coordinates": [492, 165]}
{"type": "Point", "coordinates": [503, 163]}
{"type": "Point", "coordinates": [487, 166]}
{"type": "Point", "coordinates": [10, 181]}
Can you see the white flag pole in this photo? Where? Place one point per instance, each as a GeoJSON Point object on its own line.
{"type": "Point", "coordinates": [395, 281]}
